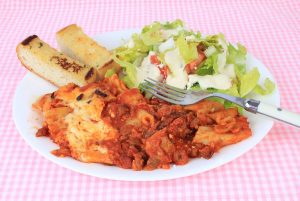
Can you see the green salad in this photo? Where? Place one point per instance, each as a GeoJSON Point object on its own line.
{"type": "Point", "coordinates": [170, 53]}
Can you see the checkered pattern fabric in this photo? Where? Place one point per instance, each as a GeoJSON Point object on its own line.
{"type": "Point", "coordinates": [269, 29]}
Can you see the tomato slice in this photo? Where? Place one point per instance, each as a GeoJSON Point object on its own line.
{"type": "Point", "coordinates": [192, 66]}
{"type": "Point", "coordinates": [164, 71]}
{"type": "Point", "coordinates": [201, 56]}
{"type": "Point", "coordinates": [154, 59]}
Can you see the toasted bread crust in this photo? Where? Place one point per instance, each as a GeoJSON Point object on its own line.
{"type": "Point", "coordinates": [28, 39]}
{"type": "Point", "coordinates": [69, 27]}
{"type": "Point", "coordinates": [30, 69]}
{"type": "Point", "coordinates": [76, 44]}
{"type": "Point", "coordinates": [53, 66]}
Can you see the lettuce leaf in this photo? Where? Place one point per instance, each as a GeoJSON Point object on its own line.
{"type": "Point", "coordinates": [173, 25]}
{"type": "Point", "coordinates": [129, 69]}
{"type": "Point", "coordinates": [125, 53]}
{"type": "Point", "coordinates": [151, 34]}
{"type": "Point", "coordinates": [213, 40]}
{"type": "Point", "coordinates": [139, 44]}
{"type": "Point", "coordinates": [248, 82]}
{"type": "Point", "coordinates": [268, 88]}
{"type": "Point", "coordinates": [209, 66]}
{"type": "Point", "coordinates": [233, 91]}
{"type": "Point", "coordinates": [216, 48]}
{"type": "Point", "coordinates": [237, 56]}
{"type": "Point", "coordinates": [190, 33]}
{"type": "Point", "coordinates": [187, 50]}
{"type": "Point", "coordinates": [129, 58]}
{"type": "Point", "coordinates": [205, 70]}
{"type": "Point", "coordinates": [228, 104]}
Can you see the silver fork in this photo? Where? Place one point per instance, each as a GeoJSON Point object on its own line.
{"type": "Point", "coordinates": [184, 97]}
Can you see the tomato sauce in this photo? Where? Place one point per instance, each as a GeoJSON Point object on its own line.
{"type": "Point", "coordinates": [167, 141]}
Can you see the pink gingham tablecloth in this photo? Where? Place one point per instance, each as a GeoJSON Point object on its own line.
{"type": "Point", "coordinates": [269, 29]}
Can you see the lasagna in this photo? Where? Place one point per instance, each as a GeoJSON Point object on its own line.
{"type": "Point", "coordinates": [105, 122]}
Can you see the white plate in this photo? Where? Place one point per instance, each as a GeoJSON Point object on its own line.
{"type": "Point", "coordinates": [27, 122]}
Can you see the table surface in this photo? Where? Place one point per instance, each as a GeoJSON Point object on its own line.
{"type": "Point", "coordinates": [270, 30]}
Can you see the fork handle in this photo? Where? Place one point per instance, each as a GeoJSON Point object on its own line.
{"type": "Point", "coordinates": [273, 112]}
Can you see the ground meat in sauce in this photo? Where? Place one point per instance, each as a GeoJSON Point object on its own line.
{"type": "Point", "coordinates": [142, 148]}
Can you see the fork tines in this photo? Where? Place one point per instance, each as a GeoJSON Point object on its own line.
{"type": "Point", "coordinates": [164, 91]}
